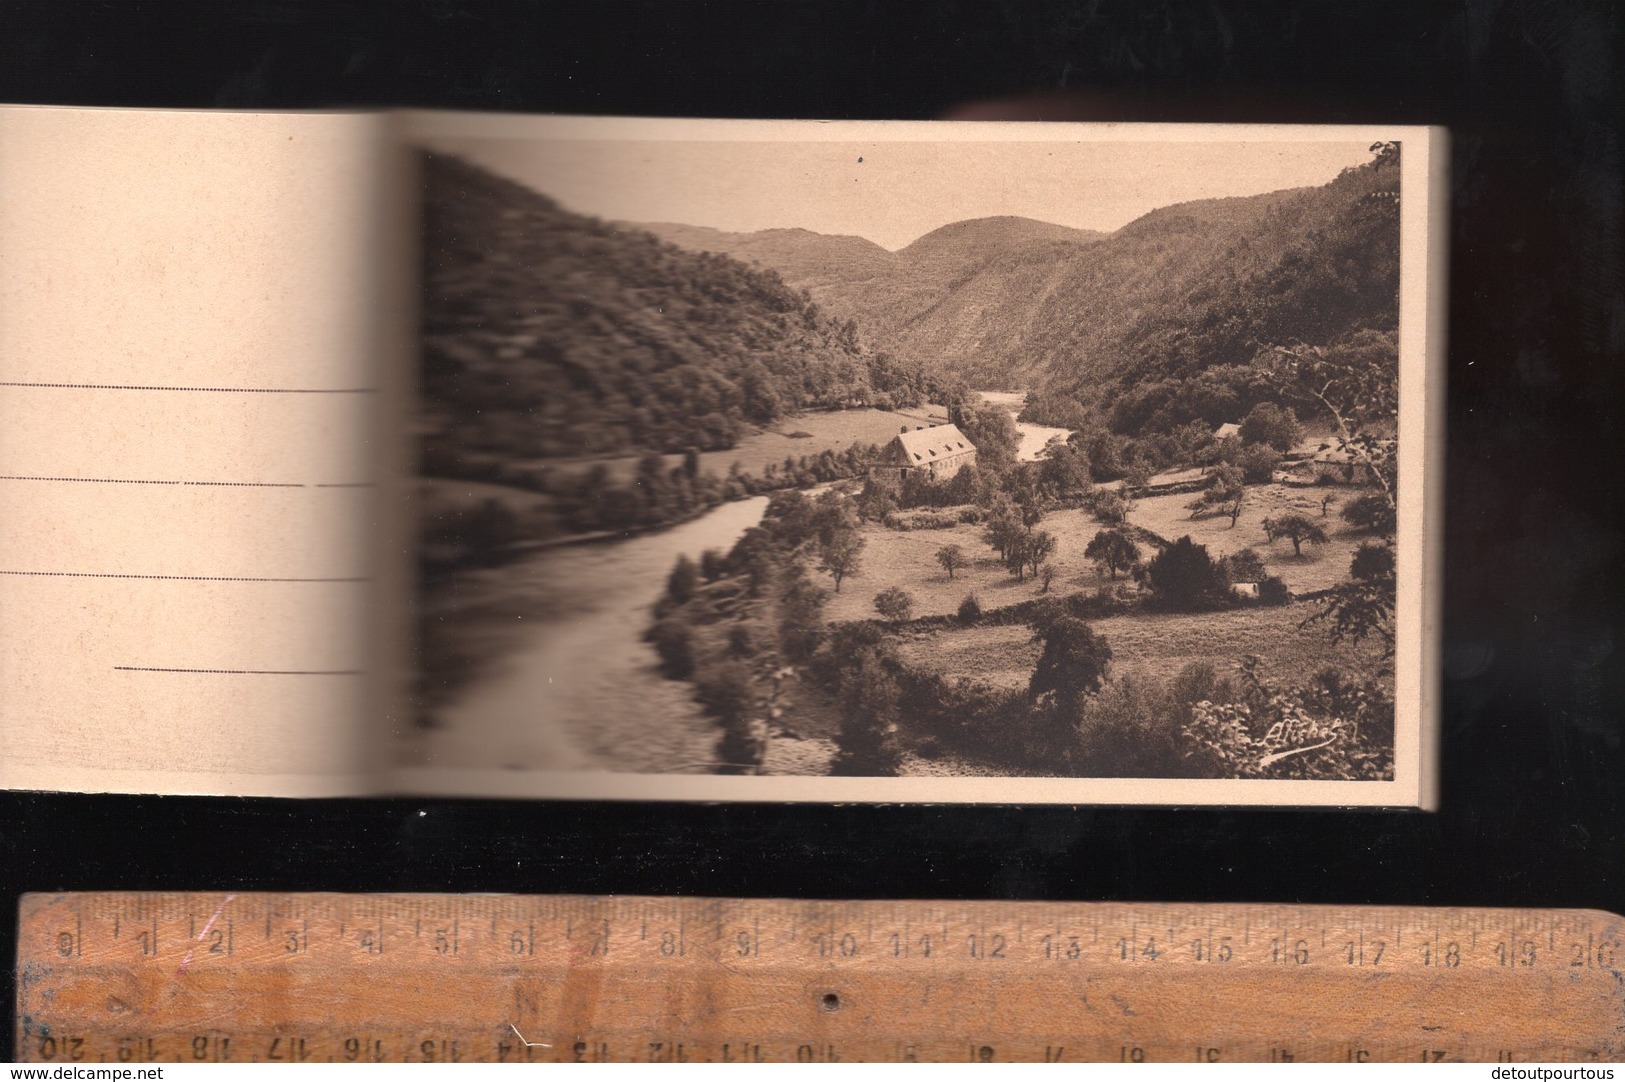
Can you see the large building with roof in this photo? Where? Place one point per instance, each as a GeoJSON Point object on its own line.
{"type": "Point", "coordinates": [939, 452]}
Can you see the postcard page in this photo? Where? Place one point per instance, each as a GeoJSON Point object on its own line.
{"type": "Point", "coordinates": [188, 336]}
{"type": "Point", "coordinates": [927, 461]}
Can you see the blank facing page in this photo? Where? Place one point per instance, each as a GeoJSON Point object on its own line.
{"type": "Point", "coordinates": [188, 367]}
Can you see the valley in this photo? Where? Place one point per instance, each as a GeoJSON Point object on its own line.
{"type": "Point", "coordinates": [654, 540]}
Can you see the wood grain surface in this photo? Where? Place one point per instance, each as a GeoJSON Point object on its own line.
{"type": "Point", "coordinates": [316, 977]}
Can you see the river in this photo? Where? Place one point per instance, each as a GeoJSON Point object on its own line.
{"type": "Point", "coordinates": [582, 691]}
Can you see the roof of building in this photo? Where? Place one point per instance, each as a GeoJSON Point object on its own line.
{"type": "Point", "coordinates": [924, 445]}
{"type": "Point", "coordinates": [1226, 430]}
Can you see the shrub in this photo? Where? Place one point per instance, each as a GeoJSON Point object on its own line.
{"type": "Point", "coordinates": [743, 641]}
{"type": "Point", "coordinates": [673, 640]}
{"type": "Point", "coordinates": [1329, 731]}
{"type": "Point", "coordinates": [725, 691]}
{"type": "Point", "coordinates": [970, 609]}
{"type": "Point", "coordinates": [1271, 425]}
{"type": "Point", "coordinates": [683, 580]}
{"type": "Point", "coordinates": [1272, 591]}
{"type": "Point", "coordinates": [1370, 512]}
{"type": "Point", "coordinates": [1131, 729]}
{"type": "Point", "coordinates": [867, 744]}
{"type": "Point", "coordinates": [1184, 576]}
{"type": "Point", "coordinates": [1245, 566]}
{"type": "Point", "coordinates": [894, 603]}
{"type": "Point", "coordinates": [1258, 462]}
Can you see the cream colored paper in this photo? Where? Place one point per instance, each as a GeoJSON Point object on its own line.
{"type": "Point", "coordinates": [189, 305]}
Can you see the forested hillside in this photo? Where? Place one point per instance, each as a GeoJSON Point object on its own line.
{"type": "Point", "coordinates": [1184, 298]}
{"type": "Point", "coordinates": [1009, 302]}
{"type": "Point", "coordinates": [961, 299]}
{"type": "Point", "coordinates": [548, 333]}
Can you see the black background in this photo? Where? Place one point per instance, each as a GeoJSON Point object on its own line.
{"type": "Point", "coordinates": [1532, 757]}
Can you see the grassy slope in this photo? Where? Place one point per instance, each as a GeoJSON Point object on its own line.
{"type": "Point", "coordinates": [1153, 645]}
{"type": "Point", "coordinates": [1319, 567]}
{"type": "Point", "coordinates": [896, 558]}
{"type": "Point", "coordinates": [831, 430]}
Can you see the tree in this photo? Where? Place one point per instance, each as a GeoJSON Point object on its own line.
{"type": "Point", "coordinates": [1297, 529]}
{"type": "Point", "coordinates": [1015, 555]}
{"type": "Point", "coordinates": [1003, 527]}
{"type": "Point", "coordinates": [991, 429]}
{"type": "Point", "coordinates": [1270, 424]}
{"type": "Point", "coordinates": [970, 609]}
{"type": "Point", "coordinates": [1355, 381]}
{"type": "Point", "coordinates": [875, 502]}
{"type": "Point", "coordinates": [1110, 506]}
{"type": "Point", "coordinates": [1184, 576]}
{"type": "Point", "coordinates": [1326, 501]}
{"type": "Point", "coordinates": [1114, 550]}
{"type": "Point", "coordinates": [1257, 462]}
{"type": "Point", "coordinates": [683, 580]}
{"type": "Point", "coordinates": [673, 641]}
{"type": "Point", "coordinates": [1370, 512]}
{"type": "Point", "coordinates": [1040, 546]}
{"type": "Point", "coordinates": [1246, 566]}
{"type": "Point", "coordinates": [1049, 576]}
{"type": "Point", "coordinates": [1066, 472]}
{"type": "Point", "coordinates": [726, 693]}
{"type": "Point", "coordinates": [1135, 478]}
{"type": "Point", "coordinates": [952, 558]}
{"type": "Point", "coordinates": [1226, 490]}
{"type": "Point", "coordinates": [1364, 608]}
{"type": "Point", "coordinates": [1072, 665]}
{"type": "Point", "coordinates": [839, 556]}
{"type": "Point", "coordinates": [867, 743]}
{"type": "Point", "coordinates": [894, 603]}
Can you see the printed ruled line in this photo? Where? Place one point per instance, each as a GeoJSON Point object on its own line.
{"type": "Point", "coordinates": [213, 390]}
{"type": "Point", "coordinates": [184, 578]}
{"type": "Point", "coordinates": [204, 484]}
{"type": "Point", "coordinates": [246, 672]}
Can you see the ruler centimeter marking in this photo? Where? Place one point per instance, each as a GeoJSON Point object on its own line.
{"type": "Point", "coordinates": [320, 977]}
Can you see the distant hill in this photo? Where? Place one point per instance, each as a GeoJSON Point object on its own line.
{"type": "Point", "coordinates": [1012, 302]}
{"type": "Point", "coordinates": [953, 297]}
{"type": "Point", "coordinates": [549, 333]}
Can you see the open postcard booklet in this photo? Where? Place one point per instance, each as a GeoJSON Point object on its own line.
{"type": "Point", "coordinates": [719, 460]}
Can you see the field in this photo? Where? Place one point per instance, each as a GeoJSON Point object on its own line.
{"type": "Point", "coordinates": [1319, 567]}
{"type": "Point", "coordinates": [437, 495]}
{"type": "Point", "coordinates": [908, 559]}
{"type": "Point", "coordinates": [825, 430]}
{"type": "Point", "coordinates": [1152, 645]}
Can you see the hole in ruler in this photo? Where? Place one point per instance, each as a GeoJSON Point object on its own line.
{"type": "Point", "coordinates": [831, 1001]}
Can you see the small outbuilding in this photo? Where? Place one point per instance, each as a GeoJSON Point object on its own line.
{"type": "Point", "coordinates": [1227, 431]}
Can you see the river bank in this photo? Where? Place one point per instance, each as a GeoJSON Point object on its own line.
{"type": "Point", "coordinates": [563, 679]}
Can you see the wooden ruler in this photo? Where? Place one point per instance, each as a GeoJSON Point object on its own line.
{"type": "Point", "coordinates": [315, 977]}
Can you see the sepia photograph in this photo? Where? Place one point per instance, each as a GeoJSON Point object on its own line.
{"type": "Point", "coordinates": [914, 461]}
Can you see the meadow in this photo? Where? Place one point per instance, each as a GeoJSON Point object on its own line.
{"type": "Point", "coordinates": [1152, 644]}
{"type": "Point", "coordinates": [1319, 567]}
{"type": "Point", "coordinates": [810, 433]}
{"type": "Point", "coordinates": [908, 559]}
